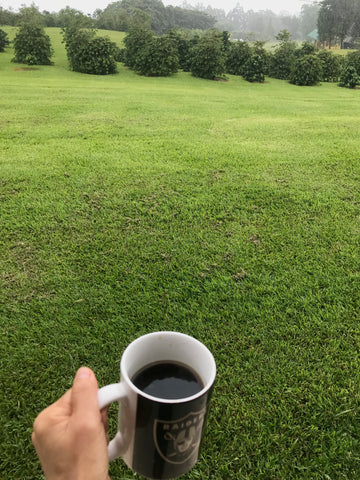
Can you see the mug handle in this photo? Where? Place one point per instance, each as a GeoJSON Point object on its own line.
{"type": "Point", "coordinates": [106, 395]}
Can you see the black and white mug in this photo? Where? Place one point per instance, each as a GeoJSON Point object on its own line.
{"type": "Point", "coordinates": [159, 433]}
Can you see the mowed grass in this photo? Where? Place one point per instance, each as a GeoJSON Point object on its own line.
{"type": "Point", "coordinates": [224, 210]}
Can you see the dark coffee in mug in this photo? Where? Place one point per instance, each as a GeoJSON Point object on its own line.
{"type": "Point", "coordinates": [164, 394]}
{"type": "Point", "coordinates": [168, 380]}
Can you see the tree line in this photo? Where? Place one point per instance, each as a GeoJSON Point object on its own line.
{"type": "Point", "coordinates": [335, 21]}
{"type": "Point", "coordinates": [116, 16]}
{"type": "Point", "coordinates": [264, 24]}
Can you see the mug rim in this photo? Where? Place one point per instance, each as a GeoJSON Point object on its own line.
{"type": "Point", "coordinates": [204, 390]}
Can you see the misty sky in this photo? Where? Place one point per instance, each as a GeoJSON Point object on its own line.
{"type": "Point", "coordinates": [89, 6]}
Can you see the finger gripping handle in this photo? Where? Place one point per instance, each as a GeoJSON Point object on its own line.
{"type": "Point", "coordinates": [106, 395]}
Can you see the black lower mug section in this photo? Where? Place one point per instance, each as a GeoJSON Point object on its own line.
{"type": "Point", "coordinates": [168, 436]}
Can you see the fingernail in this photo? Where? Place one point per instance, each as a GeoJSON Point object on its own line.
{"type": "Point", "coordinates": [83, 372]}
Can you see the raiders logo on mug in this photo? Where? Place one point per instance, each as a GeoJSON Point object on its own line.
{"type": "Point", "coordinates": [176, 441]}
{"type": "Point", "coordinates": [164, 393]}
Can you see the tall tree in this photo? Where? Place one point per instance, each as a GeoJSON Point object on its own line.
{"type": "Point", "coordinates": [355, 29]}
{"type": "Point", "coordinates": [7, 17]}
{"type": "Point", "coordinates": [308, 18]}
{"type": "Point", "coordinates": [193, 19]}
{"type": "Point", "coordinates": [336, 18]}
{"type": "Point", "coordinates": [154, 8]}
{"type": "Point", "coordinates": [113, 17]}
{"type": "Point", "coordinates": [70, 16]}
{"type": "Point", "coordinates": [345, 11]}
{"type": "Point", "coordinates": [30, 15]}
{"type": "Point", "coordinates": [326, 23]}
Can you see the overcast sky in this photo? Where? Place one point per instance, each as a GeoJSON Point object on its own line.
{"type": "Point", "coordinates": [89, 6]}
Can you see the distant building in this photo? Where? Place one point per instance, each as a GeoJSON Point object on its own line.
{"type": "Point", "coordinates": [314, 35]}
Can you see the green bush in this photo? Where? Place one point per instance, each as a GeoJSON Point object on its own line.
{"type": "Point", "coordinates": [254, 69]}
{"type": "Point", "coordinates": [238, 54]}
{"type": "Point", "coordinates": [306, 71]}
{"type": "Point", "coordinates": [306, 48]}
{"type": "Point", "coordinates": [89, 54]}
{"type": "Point", "coordinates": [330, 66]}
{"type": "Point", "coordinates": [184, 41]}
{"type": "Point", "coordinates": [184, 47]}
{"type": "Point", "coordinates": [258, 48]}
{"type": "Point", "coordinates": [159, 58]}
{"type": "Point", "coordinates": [75, 38]}
{"type": "Point", "coordinates": [32, 46]}
{"type": "Point", "coordinates": [97, 57]}
{"type": "Point", "coordinates": [353, 59]}
{"type": "Point", "coordinates": [4, 41]}
{"type": "Point", "coordinates": [136, 42]}
{"type": "Point", "coordinates": [282, 60]}
{"type": "Point", "coordinates": [149, 55]}
{"type": "Point", "coordinates": [119, 53]}
{"type": "Point", "coordinates": [185, 52]}
{"type": "Point", "coordinates": [207, 58]}
{"type": "Point", "coordinates": [349, 77]}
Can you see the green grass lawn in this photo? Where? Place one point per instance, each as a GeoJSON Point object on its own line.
{"type": "Point", "coordinates": [226, 210]}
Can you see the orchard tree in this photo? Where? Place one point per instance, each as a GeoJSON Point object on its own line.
{"type": "Point", "coordinates": [330, 66]}
{"type": "Point", "coordinates": [184, 40]}
{"type": "Point", "coordinates": [147, 54]}
{"type": "Point", "coordinates": [254, 69]}
{"type": "Point", "coordinates": [353, 59]}
{"type": "Point", "coordinates": [306, 71]}
{"type": "Point", "coordinates": [349, 77]}
{"type": "Point", "coordinates": [258, 48]}
{"type": "Point", "coordinates": [4, 41]}
{"type": "Point", "coordinates": [159, 58]}
{"type": "Point", "coordinates": [207, 57]}
{"type": "Point", "coordinates": [137, 40]}
{"type": "Point", "coordinates": [306, 48]}
{"type": "Point", "coordinates": [88, 53]}
{"type": "Point", "coordinates": [225, 42]}
{"type": "Point", "coordinates": [32, 46]}
{"type": "Point", "coordinates": [282, 60]}
{"type": "Point", "coordinates": [238, 55]}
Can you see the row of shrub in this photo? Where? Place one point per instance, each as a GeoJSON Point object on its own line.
{"type": "Point", "coordinates": [214, 55]}
{"type": "Point", "coordinates": [211, 55]}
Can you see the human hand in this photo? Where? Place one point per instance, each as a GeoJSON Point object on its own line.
{"type": "Point", "coordinates": [69, 436]}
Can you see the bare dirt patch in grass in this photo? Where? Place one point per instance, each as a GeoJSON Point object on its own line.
{"type": "Point", "coordinates": [25, 69]}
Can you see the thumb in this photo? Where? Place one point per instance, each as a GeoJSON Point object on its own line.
{"type": "Point", "coordinates": [84, 396]}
